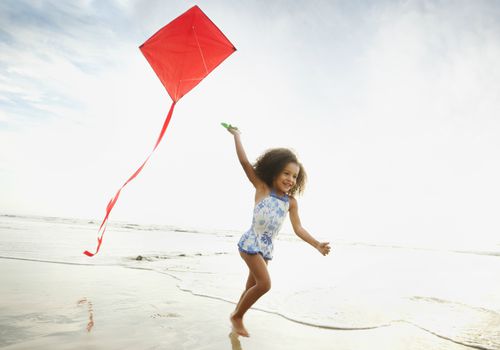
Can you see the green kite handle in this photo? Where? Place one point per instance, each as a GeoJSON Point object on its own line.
{"type": "Point", "coordinates": [227, 126]}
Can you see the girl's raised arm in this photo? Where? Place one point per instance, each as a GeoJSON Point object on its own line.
{"type": "Point", "coordinates": [242, 157]}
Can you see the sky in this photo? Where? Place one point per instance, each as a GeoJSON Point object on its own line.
{"type": "Point", "coordinates": [392, 106]}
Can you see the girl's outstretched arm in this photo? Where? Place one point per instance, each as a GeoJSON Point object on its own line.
{"type": "Point", "coordinates": [322, 247]}
{"type": "Point", "coordinates": [242, 157]}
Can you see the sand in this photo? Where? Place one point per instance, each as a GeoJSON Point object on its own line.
{"type": "Point", "coordinates": [61, 306]}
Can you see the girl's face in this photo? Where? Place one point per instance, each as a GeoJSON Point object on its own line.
{"type": "Point", "coordinates": [285, 180]}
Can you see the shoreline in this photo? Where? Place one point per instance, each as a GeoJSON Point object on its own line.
{"type": "Point", "coordinates": [63, 306]}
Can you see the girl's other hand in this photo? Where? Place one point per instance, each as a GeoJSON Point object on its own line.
{"type": "Point", "coordinates": [323, 248]}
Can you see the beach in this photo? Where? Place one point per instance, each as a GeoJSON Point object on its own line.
{"type": "Point", "coordinates": [114, 115]}
{"type": "Point", "coordinates": [181, 299]}
{"type": "Point", "coordinates": [57, 306]}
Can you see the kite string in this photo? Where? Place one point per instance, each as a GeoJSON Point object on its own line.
{"type": "Point", "coordinates": [113, 200]}
{"type": "Point", "coordinates": [201, 51]}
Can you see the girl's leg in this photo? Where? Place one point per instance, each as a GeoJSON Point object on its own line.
{"type": "Point", "coordinates": [258, 269]}
{"type": "Point", "coordinates": [250, 283]}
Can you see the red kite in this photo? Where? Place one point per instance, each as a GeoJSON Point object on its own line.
{"type": "Point", "coordinates": [182, 54]}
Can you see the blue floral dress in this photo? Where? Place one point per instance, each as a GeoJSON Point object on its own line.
{"type": "Point", "coordinates": [268, 216]}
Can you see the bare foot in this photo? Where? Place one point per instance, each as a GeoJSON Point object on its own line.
{"type": "Point", "coordinates": [238, 326]}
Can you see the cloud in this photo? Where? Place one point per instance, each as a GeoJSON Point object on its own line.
{"type": "Point", "coordinates": [49, 47]}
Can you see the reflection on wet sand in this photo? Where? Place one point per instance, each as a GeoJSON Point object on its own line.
{"type": "Point", "coordinates": [91, 312]}
{"type": "Point", "coordinates": [235, 341]}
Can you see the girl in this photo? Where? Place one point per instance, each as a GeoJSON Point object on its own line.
{"type": "Point", "coordinates": [277, 176]}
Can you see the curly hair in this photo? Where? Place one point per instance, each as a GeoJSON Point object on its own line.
{"type": "Point", "coordinates": [272, 162]}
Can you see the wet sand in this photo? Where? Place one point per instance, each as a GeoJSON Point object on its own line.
{"type": "Point", "coordinates": [61, 306]}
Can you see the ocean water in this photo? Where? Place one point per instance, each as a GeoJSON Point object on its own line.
{"type": "Point", "coordinates": [452, 293]}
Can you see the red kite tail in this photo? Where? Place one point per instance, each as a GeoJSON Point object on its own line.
{"type": "Point", "coordinates": [113, 200]}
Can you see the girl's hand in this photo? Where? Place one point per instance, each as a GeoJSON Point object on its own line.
{"type": "Point", "coordinates": [323, 248]}
{"type": "Point", "coordinates": [233, 130]}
